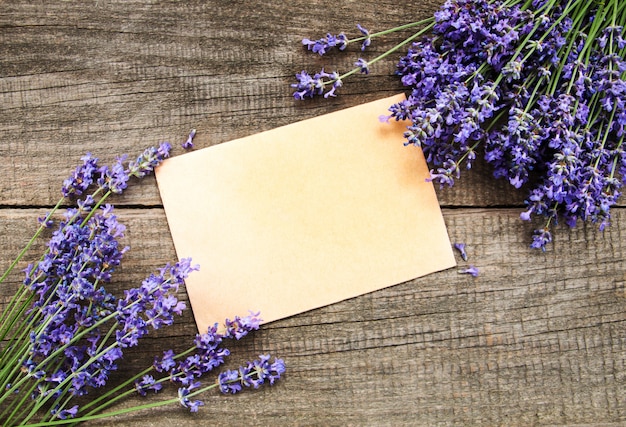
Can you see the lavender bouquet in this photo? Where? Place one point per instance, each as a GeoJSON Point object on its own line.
{"type": "Point", "coordinates": [535, 87]}
{"type": "Point", "coordinates": [63, 333]}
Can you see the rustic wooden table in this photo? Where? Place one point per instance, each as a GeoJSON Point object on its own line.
{"type": "Point", "coordinates": [538, 338]}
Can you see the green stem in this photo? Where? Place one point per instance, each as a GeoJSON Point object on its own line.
{"type": "Point", "coordinates": [112, 413]}
{"type": "Point", "coordinates": [12, 341]}
{"type": "Point", "coordinates": [24, 404]}
{"type": "Point", "coordinates": [27, 402]}
{"type": "Point", "coordinates": [16, 306]}
{"type": "Point", "coordinates": [88, 363]}
{"type": "Point", "coordinates": [16, 309]}
{"type": "Point", "coordinates": [531, 33]}
{"type": "Point", "coordinates": [616, 158]}
{"type": "Point", "coordinates": [383, 55]}
{"type": "Point", "coordinates": [392, 30]}
{"type": "Point", "coordinates": [29, 244]}
{"type": "Point", "coordinates": [605, 136]}
{"type": "Point", "coordinates": [134, 408]}
{"type": "Point", "coordinates": [111, 396]}
{"type": "Point", "coordinates": [108, 395]}
{"type": "Point", "coordinates": [96, 206]}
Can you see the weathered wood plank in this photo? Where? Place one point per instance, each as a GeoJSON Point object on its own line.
{"type": "Point", "coordinates": [537, 338]}
{"type": "Point", "coordinates": [115, 77]}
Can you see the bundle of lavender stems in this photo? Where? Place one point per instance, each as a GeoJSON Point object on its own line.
{"type": "Point", "coordinates": [537, 88]}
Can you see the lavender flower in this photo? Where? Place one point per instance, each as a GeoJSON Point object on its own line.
{"type": "Point", "coordinates": [253, 374]}
{"type": "Point", "coordinates": [310, 86]}
{"type": "Point", "coordinates": [114, 178]}
{"type": "Point", "coordinates": [149, 159]}
{"type": "Point", "coordinates": [340, 41]}
{"type": "Point", "coordinates": [147, 383]}
{"type": "Point", "coordinates": [536, 86]}
{"type": "Point", "coordinates": [165, 363]}
{"type": "Point", "coordinates": [323, 45]}
{"type": "Point", "coordinates": [363, 65]}
{"type": "Point", "coordinates": [461, 248]}
{"type": "Point", "coordinates": [230, 382]}
{"type": "Point", "coordinates": [471, 270]}
{"type": "Point", "coordinates": [239, 327]}
{"type": "Point", "coordinates": [188, 144]}
{"type": "Point", "coordinates": [82, 177]}
{"type": "Point", "coordinates": [183, 394]}
{"type": "Point", "coordinates": [208, 352]}
{"type": "Point", "coordinates": [64, 414]}
{"type": "Point", "coordinates": [471, 72]}
{"type": "Point", "coordinates": [152, 304]}
{"type": "Point", "coordinates": [541, 238]}
{"type": "Point", "coordinates": [367, 38]}
{"type": "Point", "coordinates": [72, 310]}
{"type": "Point", "coordinates": [75, 332]}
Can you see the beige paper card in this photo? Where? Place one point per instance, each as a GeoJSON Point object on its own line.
{"type": "Point", "coordinates": [303, 216]}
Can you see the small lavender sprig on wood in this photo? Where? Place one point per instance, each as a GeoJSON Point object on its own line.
{"type": "Point", "coordinates": [310, 86]}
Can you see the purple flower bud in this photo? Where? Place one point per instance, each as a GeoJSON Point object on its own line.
{"type": "Point", "coordinates": [363, 65]}
{"type": "Point", "coordinates": [252, 374]}
{"type": "Point", "coordinates": [188, 144]}
{"type": "Point", "coordinates": [82, 177]}
{"type": "Point", "coordinates": [461, 248]}
{"type": "Point", "coordinates": [470, 270]}
{"type": "Point", "coordinates": [323, 45]}
{"type": "Point", "coordinates": [183, 394]}
{"type": "Point", "coordinates": [366, 43]}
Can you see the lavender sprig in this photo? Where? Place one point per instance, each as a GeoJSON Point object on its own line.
{"type": "Point", "coordinates": [341, 41]}
{"type": "Point", "coordinates": [104, 181]}
{"type": "Point", "coordinates": [92, 357]}
{"type": "Point", "coordinates": [253, 374]}
{"type": "Point", "coordinates": [308, 86]}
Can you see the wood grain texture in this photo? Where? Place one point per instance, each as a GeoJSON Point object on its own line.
{"type": "Point", "coordinates": [115, 77]}
{"type": "Point", "coordinates": [536, 339]}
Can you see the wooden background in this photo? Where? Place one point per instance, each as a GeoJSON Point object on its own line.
{"type": "Point", "coordinates": [537, 339]}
